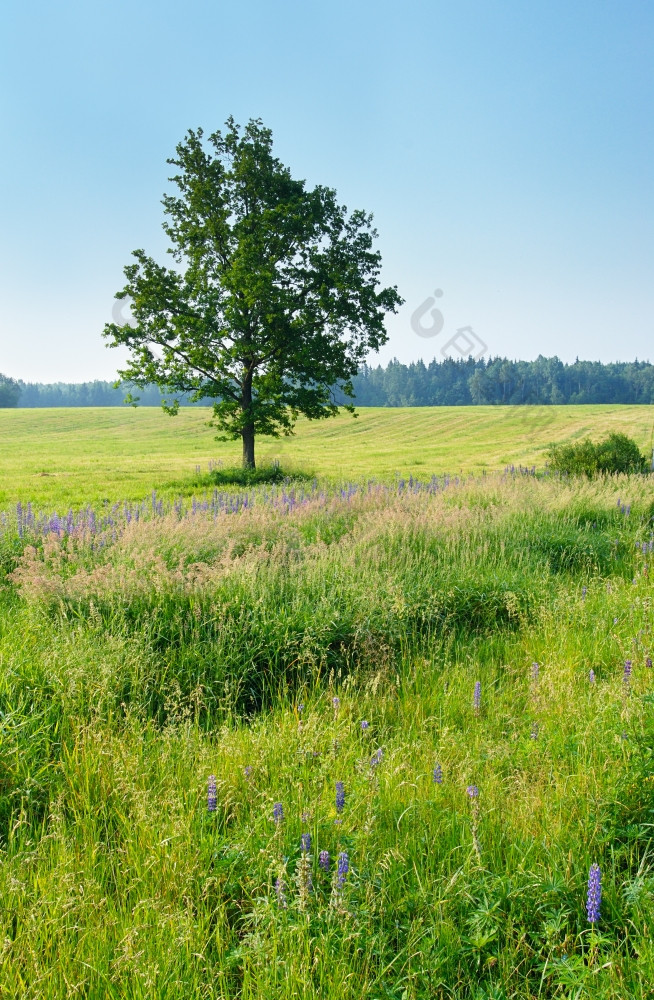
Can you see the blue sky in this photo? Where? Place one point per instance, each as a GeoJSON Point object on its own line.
{"type": "Point", "coordinates": [504, 147]}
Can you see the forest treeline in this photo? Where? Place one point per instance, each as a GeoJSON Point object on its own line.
{"type": "Point", "coordinates": [460, 382]}
{"type": "Point", "coordinates": [97, 393]}
{"type": "Point", "coordinates": [467, 382]}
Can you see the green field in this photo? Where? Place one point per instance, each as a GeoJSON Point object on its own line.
{"type": "Point", "coordinates": [182, 693]}
{"type": "Point", "coordinates": [77, 456]}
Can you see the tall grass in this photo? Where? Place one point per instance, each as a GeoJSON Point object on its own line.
{"type": "Point", "coordinates": [367, 636]}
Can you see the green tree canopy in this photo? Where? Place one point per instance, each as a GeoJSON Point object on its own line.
{"type": "Point", "coordinates": [9, 391]}
{"type": "Point", "coordinates": [274, 303]}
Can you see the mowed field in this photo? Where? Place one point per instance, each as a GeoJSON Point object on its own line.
{"type": "Point", "coordinates": [80, 456]}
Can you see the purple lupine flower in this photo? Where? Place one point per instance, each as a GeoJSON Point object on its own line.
{"type": "Point", "coordinates": [343, 869]}
{"type": "Point", "coordinates": [376, 758]}
{"type": "Point", "coordinates": [472, 791]}
{"type": "Point", "coordinates": [336, 702]}
{"type": "Point", "coordinates": [340, 796]}
{"type": "Point", "coordinates": [648, 661]}
{"type": "Point", "coordinates": [594, 894]}
{"type": "Point", "coordinates": [278, 812]}
{"type": "Point", "coordinates": [477, 696]}
{"type": "Point", "coordinates": [305, 843]}
{"type": "Point", "coordinates": [247, 770]}
{"type": "Point", "coordinates": [365, 724]}
{"type": "Point", "coordinates": [591, 675]}
{"type": "Point", "coordinates": [534, 671]}
{"type": "Point", "coordinates": [626, 676]}
{"type": "Point", "coordinates": [212, 795]}
{"type": "Point", "coordinates": [323, 860]}
{"type": "Point", "coordinates": [300, 708]}
{"type": "Point", "coordinates": [584, 591]}
{"type": "Point", "coordinates": [438, 775]}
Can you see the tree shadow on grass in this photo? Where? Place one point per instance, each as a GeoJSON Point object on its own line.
{"type": "Point", "coordinates": [224, 477]}
{"type": "Point", "coordinates": [238, 476]}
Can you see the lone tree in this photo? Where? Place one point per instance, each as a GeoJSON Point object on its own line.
{"type": "Point", "coordinates": [274, 302]}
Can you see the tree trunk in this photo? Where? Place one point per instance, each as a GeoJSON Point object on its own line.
{"type": "Point", "coordinates": [247, 431]}
{"type": "Point", "coordinates": [248, 446]}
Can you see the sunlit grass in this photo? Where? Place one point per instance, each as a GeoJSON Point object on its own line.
{"type": "Point", "coordinates": [60, 457]}
{"type": "Point", "coordinates": [138, 659]}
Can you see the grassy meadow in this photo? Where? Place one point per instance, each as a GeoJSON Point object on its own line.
{"type": "Point", "coordinates": [357, 737]}
{"type": "Point", "coordinates": [55, 457]}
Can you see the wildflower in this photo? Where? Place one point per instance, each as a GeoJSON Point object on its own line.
{"type": "Point", "coordinates": [648, 661]}
{"type": "Point", "coordinates": [376, 758]}
{"type": "Point", "coordinates": [584, 591]}
{"type": "Point", "coordinates": [323, 860]}
{"type": "Point", "coordinates": [343, 869]}
{"type": "Point", "coordinates": [212, 795]}
{"type": "Point", "coordinates": [594, 894]}
{"type": "Point", "coordinates": [477, 696]}
{"type": "Point", "coordinates": [365, 725]}
{"type": "Point", "coordinates": [534, 731]}
{"type": "Point", "coordinates": [534, 672]}
{"type": "Point", "coordinates": [280, 890]}
{"type": "Point", "coordinates": [336, 702]}
{"type": "Point", "coordinates": [303, 880]}
{"type": "Point", "coordinates": [591, 676]}
{"type": "Point", "coordinates": [247, 770]}
{"type": "Point", "coordinates": [438, 775]}
{"type": "Point", "coordinates": [278, 812]}
{"type": "Point", "coordinates": [300, 708]}
{"type": "Point", "coordinates": [306, 842]}
{"type": "Point", "coordinates": [472, 791]}
{"type": "Point", "coordinates": [340, 796]}
{"type": "Point", "coordinates": [626, 675]}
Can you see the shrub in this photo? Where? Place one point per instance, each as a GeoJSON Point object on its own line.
{"type": "Point", "coordinates": [617, 453]}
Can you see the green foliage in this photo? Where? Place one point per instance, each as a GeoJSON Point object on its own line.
{"type": "Point", "coordinates": [451, 382]}
{"type": "Point", "coordinates": [117, 702]}
{"type": "Point", "coordinates": [501, 381]}
{"type": "Point", "coordinates": [277, 306]}
{"type": "Point", "coordinates": [615, 454]}
{"type": "Point", "coordinates": [9, 391]}
{"type": "Point", "coordinates": [68, 457]}
{"type": "Point", "coordinates": [239, 476]}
